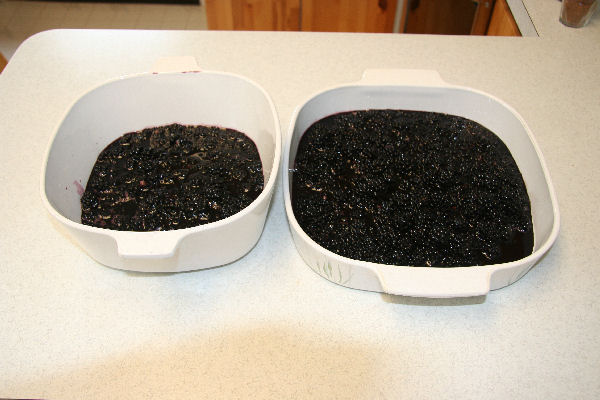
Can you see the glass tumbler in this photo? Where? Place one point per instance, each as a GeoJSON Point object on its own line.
{"type": "Point", "coordinates": [577, 13]}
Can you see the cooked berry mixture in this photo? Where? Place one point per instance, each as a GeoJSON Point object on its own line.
{"type": "Point", "coordinates": [411, 188]}
{"type": "Point", "coordinates": [172, 177]}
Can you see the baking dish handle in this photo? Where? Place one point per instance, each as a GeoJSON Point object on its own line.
{"type": "Point", "coordinates": [405, 77]}
{"type": "Point", "coordinates": [434, 282]}
{"type": "Point", "coordinates": [152, 245]}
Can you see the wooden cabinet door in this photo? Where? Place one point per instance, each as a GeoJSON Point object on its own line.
{"type": "Point", "coordinates": [253, 15]}
{"type": "Point", "coordinates": [502, 22]}
{"type": "Point", "coordinates": [348, 15]}
{"type": "Point", "coordinates": [442, 17]}
{"type": "Point", "coordinates": [482, 17]}
{"type": "Point", "coordinates": [3, 62]}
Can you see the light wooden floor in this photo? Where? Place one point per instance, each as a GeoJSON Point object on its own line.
{"type": "Point", "coordinates": [21, 19]}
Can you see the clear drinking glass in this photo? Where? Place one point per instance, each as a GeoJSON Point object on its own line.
{"type": "Point", "coordinates": [577, 13]}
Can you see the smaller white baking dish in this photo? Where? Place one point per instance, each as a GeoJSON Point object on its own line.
{"type": "Point", "coordinates": [425, 91]}
{"type": "Point", "coordinates": [132, 103]}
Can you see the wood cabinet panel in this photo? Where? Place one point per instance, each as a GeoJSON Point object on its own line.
{"type": "Point", "coordinates": [348, 15]}
{"type": "Point", "coordinates": [259, 15]}
{"type": "Point", "coordinates": [442, 17]}
{"type": "Point", "coordinates": [482, 17]}
{"type": "Point", "coordinates": [316, 15]}
{"type": "Point", "coordinates": [3, 62]}
{"type": "Point", "coordinates": [457, 17]}
{"type": "Point", "coordinates": [502, 22]}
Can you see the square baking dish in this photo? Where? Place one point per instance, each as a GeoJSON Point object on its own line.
{"type": "Point", "coordinates": [132, 103]}
{"type": "Point", "coordinates": [423, 90]}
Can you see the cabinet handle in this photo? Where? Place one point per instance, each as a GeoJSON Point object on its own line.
{"type": "Point", "coordinates": [382, 4]}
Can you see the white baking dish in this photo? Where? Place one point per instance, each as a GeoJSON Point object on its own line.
{"type": "Point", "coordinates": [425, 91]}
{"type": "Point", "coordinates": [135, 102]}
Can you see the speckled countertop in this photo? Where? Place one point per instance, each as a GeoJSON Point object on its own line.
{"type": "Point", "coordinates": [267, 326]}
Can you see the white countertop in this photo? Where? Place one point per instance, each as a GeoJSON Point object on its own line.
{"type": "Point", "coordinates": [267, 326]}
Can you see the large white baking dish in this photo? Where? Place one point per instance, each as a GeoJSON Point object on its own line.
{"type": "Point", "coordinates": [425, 91]}
{"type": "Point", "coordinates": [135, 102]}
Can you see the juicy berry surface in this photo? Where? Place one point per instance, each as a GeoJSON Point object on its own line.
{"type": "Point", "coordinates": [172, 177]}
{"type": "Point", "coordinates": [411, 188]}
